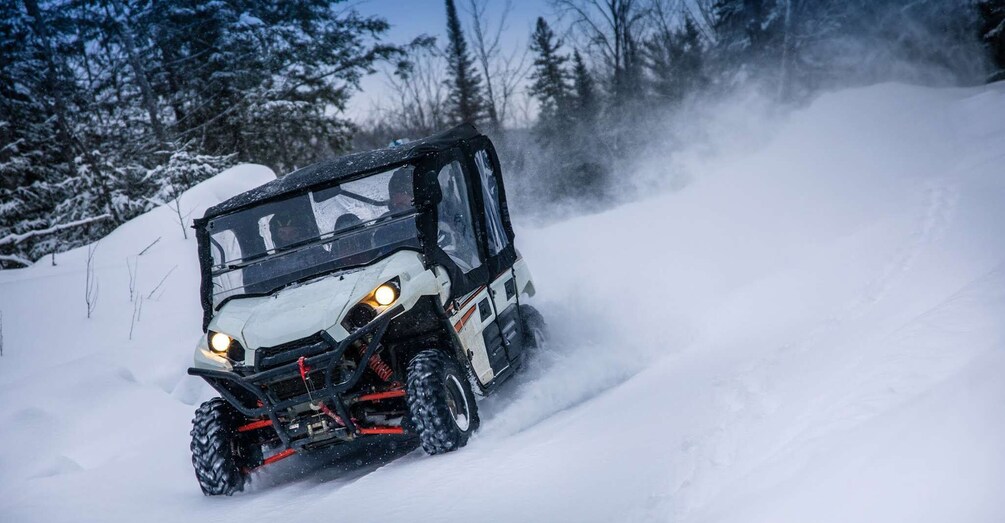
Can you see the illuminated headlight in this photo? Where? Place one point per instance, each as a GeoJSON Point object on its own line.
{"type": "Point", "coordinates": [372, 304]}
{"type": "Point", "coordinates": [220, 342]}
{"type": "Point", "coordinates": [386, 294]}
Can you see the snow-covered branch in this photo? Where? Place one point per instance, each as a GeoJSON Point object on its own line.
{"type": "Point", "coordinates": [15, 258]}
{"type": "Point", "coordinates": [14, 239]}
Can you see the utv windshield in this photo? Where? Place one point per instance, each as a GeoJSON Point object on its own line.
{"type": "Point", "coordinates": [261, 249]}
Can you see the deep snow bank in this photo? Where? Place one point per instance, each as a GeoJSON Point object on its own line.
{"type": "Point", "coordinates": [83, 402]}
{"type": "Point", "coordinates": [810, 331]}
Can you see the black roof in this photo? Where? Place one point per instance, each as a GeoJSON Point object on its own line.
{"type": "Point", "coordinates": [344, 167]}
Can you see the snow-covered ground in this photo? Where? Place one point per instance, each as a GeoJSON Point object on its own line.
{"type": "Point", "coordinates": [812, 330]}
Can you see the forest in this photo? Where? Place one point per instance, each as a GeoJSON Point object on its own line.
{"type": "Point", "coordinates": [109, 108]}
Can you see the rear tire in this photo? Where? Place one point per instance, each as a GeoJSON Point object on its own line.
{"type": "Point", "coordinates": [535, 331]}
{"type": "Point", "coordinates": [220, 455]}
{"type": "Point", "coordinates": [441, 406]}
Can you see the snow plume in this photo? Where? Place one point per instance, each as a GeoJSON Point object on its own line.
{"type": "Point", "coordinates": [692, 73]}
{"type": "Point", "coordinates": [788, 329]}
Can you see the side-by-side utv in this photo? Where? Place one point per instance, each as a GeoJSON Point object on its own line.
{"type": "Point", "coordinates": [367, 296]}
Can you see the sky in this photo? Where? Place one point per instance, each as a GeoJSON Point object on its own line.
{"type": "Point", "coordinates": [411, 18]}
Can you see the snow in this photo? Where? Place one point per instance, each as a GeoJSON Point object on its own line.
{"type": "Point", "coordinates": [810, 330]}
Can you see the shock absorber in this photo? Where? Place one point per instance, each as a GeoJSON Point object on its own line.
{"type": "Point", "coordinates": [377, 364]}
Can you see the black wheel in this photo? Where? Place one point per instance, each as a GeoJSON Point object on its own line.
{"type": "Point", "coordinates": [441, 406]}
{"type": "Point", "coordinates": [221, 456]}
{"type": "Point", "coordinates": [535, 332]}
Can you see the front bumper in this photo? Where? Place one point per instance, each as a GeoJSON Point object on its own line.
{"type": "Point", "coordinates": [253, 397]}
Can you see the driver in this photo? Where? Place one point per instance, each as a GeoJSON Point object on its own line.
{"type": "Point", "coordinates": [288, 229]}
{"type": "Point", "coordinates": [399, 190]}
{"type": "Point", "coordinates": [399, 200]}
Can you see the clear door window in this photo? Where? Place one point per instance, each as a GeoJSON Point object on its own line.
{"type": "Point", "coordinates": [490, 193]}
{"type": "Point", "coordinates": [455, 232]}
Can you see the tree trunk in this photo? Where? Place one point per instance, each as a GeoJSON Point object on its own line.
{"type": "Point", "coordinates": [66, 134]}
{"type": "Point", "coordinates": [52, 75]}
{"type": "Point", "coordinates": [785, 72]}
{"type": "Point", "coordinates": [149, 100]}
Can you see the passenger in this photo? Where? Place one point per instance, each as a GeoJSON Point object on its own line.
{"type": "Point", "coordinates": [351, 248]}
{"type": "Point", "coordinates": [399, 200]}
{"type": "Point", "coordinates": [346, 221]}
{"type": "Point", "coordinates": [399, 190]}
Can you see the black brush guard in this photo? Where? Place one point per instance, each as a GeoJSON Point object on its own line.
{"type": "Point", "coordinates": [263, 402]}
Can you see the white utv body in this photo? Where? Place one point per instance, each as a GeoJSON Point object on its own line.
{"type": "Point", "coordinates": [363, 297]}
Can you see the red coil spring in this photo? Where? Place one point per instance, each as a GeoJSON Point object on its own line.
{"type": "Point", "coordinates": [377, 365]}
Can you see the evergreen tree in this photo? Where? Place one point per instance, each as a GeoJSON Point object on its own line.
{"type": "Point", "coordinates": [28, 149]}
{"type": "Point", "coordinates": [35, 150]}
{"type": "Point", "coordinates": [567, 121]}
{"type": "Point", "coordinates": [549, 79]}
{"type": "Point", "coordinates": [586, 103]}
{"type": "Point", "coordinates": [182, 170]}
{"type": "Point", "coordinates": [465, 101]}
{"type": "Point", "coordinates": [992, 33]}
{"type": "Point", "coordinates": [675, 62]}
{"type": "Point", "coordinates": [747, 33]}
{"type": "Point", "coordinates": [103, 104]}
{"type": "Point", "coordinates": [266, 80]}
{"type": "Point", "coordinates": [588, 162]}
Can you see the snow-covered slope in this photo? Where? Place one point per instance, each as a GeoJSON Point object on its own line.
{"type": "Point", "coordinates": [810, 331]}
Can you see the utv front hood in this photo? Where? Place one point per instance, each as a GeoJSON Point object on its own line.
{"type": "Point", "coordinates": [303, 310]}
{"type": "Point", "coordinates": [291, 313]}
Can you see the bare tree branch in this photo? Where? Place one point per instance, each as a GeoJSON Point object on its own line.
{"type": "Point", "coordinates": [137, 306]}
{"type": "Point", "coordinates": [504, 73]}
{"type": "Point", "coordinates": [91, 281]}
{"type": "Point", "coordinates": [147, 248]}
{"type": "Point", "coordinates": [419, 105]}
{"type": "Point", "coordinates": [701, 12]}
{"type": "Point", "coordinates": [614, 28]}
{"type": "Point", "coordinates": [151, 295]}
{"type": "Point", "coordinates": [134, 269]}
{"type": "Point", "coordinates": [512, 71]}
{"type": "Point", "coordinates": [487, 48]}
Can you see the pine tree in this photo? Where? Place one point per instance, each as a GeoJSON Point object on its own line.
{"type": "Point", "coordinates": [566, 128]}
{"type": "Point", "coordinates": [466, 102]}
{"type": "Point", "coordinates": [265, 80]}
{"type": "Point", "coordinates": [587, 166]}
{"type": "Point", "coordinates": [28, 149]}
{"type": "Point", "coordinates": [549, 79]}
{"type": "Point", "coordinates": [992, 33]}
{"type": "Point", "coordinates": [747, 31]}
{"type": "Point", "coordinates": [101, 100]}
{"type": "Point", "coordinates": [586, 103]}
{"type": "Point", "coordinates": [675, 62]}
{"type": "Point", "coordinates": [182, 170]}
{"type": "Point", "coordinates": [35, 146]}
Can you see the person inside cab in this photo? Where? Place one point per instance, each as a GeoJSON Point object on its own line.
{"type": "Point", "coordinates": [353, 244]}
{"type": "Point", "coordinates": [399, 191]}
{"type": "Point", "coordinates": [399, 201]}
{"type": "Point", "coordinates": [289, 229]}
